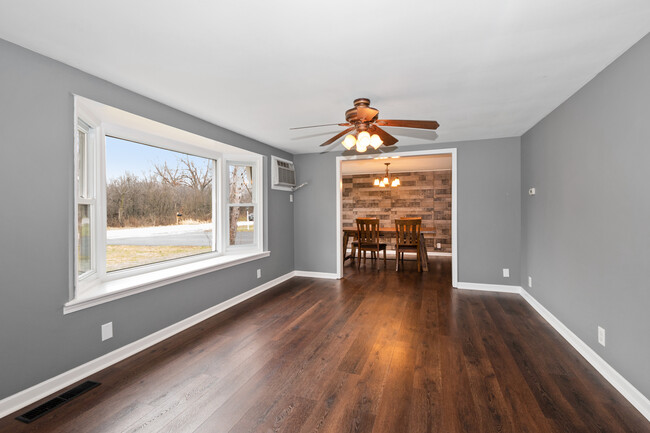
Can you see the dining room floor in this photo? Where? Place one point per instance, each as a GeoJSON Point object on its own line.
{"type": "Point", "coordinates": [377, 351]}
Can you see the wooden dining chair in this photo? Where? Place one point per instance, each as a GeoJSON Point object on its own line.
{"type": "Point", "coordinates": [408, 239]}
{"type": "Point", "coordinates": [368, 239]}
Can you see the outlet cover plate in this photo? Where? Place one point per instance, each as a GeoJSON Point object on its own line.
{"type": "Point", "coordinates": [107, 331]}
{"type": "Point", "coordinates": [506, 273]}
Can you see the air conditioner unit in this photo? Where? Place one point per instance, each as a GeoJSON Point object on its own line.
{"type": "Point", "coordinates": [283, 174]}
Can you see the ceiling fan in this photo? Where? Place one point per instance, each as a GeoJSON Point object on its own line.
{"type": "Point", "coordinates": [364, 127]}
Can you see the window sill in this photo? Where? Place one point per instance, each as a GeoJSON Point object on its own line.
{"type": "Point", "coordinates": [112, 290]}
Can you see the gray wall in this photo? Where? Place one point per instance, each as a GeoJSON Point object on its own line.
{"type": "Point", "coordinates": [36, 152]}
{"type": "Point", "coordinates": [586, 233]}
{"type": "Point", "coordinates": [489, 210]}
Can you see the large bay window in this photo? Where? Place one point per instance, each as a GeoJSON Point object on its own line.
{"type": "Point", "coordinates": [155, 204]}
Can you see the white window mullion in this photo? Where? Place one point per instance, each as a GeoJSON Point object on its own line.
{"type": "Point", "coordinates": [100, 212]}
{"type": "Point", "coordinates": [216, 201]}
{"type": "Point", "coordinates": [224, 229]}
{"type": "Point", "coordinates": [258, 175]}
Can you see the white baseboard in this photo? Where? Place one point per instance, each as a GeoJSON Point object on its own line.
{"type": "Point", "coordinates": [633, 395]}
{"type": "Point", "coordinates": [30, 395]}
{"type": "Point", "coordinates": [489, 287]}
{"type": "Point", "coordinates": [310, 274]}
{"type": "Point", "coordinates": [438, 254]}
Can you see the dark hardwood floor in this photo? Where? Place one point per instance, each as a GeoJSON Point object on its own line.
{"type": "Point", "coordinates": [379, 351]}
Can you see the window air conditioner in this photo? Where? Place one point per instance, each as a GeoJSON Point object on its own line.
{"type": "Point", "coordinates": [283, 174]}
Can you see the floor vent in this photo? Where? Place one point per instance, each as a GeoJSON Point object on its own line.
{"type": "Point", "coordinates": [49, 406]}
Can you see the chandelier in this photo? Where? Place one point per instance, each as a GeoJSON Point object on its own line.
{"type": "Point", "coordinates": [362, 141]}
{"type": "Point", "coordinates": [382, 183]}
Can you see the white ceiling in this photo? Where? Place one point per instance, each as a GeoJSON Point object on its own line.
{"type": "Point", "coordinates": [483, 69]}
{"type": "Point", "coordinates": [397, 164]}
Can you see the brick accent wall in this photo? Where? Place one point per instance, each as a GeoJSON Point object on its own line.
{"type": "Point", "coordinates": [425, 195]}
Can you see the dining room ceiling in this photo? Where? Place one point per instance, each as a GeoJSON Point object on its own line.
{"type": "Point", "coordinates": [398, 164]}
{"type": "Point", "coordinates": [482, 69]}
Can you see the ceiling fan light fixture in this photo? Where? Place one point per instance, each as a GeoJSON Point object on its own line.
{"type": "Point", "coordinates": [375, 141]}
{"type": "Point", "coordinates": [363, 118]}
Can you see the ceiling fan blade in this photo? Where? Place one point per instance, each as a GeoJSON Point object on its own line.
{"type": "Point", "coordinates": [366, 114]}
{"type": "Point", "coordinates": [388, 139]}
{"type": "Point", "coordinates": [326, 124]}
{"type": "Point", "coordinates": [421, 124]}
{"type": "Point", "coordinates": [337, 136]}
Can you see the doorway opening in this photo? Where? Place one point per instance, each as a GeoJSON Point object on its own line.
{"type": "Point", "coordinates": [426, 189]}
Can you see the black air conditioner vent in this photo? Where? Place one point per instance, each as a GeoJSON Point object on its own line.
{"type": "Point", "coordinates": [50, 405]}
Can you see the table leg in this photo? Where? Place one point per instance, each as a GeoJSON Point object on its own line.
{"type": "Point", "coordinates": [346, 237]}
{"type": "Point", "coordinates": [424, 258]}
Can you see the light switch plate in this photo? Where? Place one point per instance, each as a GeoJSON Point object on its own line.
{"type": "Point", "coordinates": [601, 335]}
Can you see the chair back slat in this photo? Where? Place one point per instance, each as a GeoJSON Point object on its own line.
{"type": "Point", "coordinates": [368, 230]}
{"type": "Point", "coordinates": [408, 230]}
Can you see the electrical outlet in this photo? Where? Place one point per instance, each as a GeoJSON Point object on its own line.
{"type": "Point", "coordinates": [107, 331]}
{"type": "Point", "coordinates": [506, 273]}
{"type": "Point", "coordinates": [530, 281]}
{"type": "Point", "coordinates": [601, 336]}
{"type": "Point", "coordinates": [259, 273]}
{"type": "Point", "coordinates": [531, 191]}
{"type": "Point", "coordinates": [290, 198]}
{"type": "Point", "coordinates": [438, 245]}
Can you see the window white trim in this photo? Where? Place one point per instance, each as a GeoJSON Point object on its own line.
{"type": "Point", "coordinates": [123, 287]}
{"type": "Point", "coordinates": [257, 204]}
{"type": "Point", "coordinates": [99, 286]}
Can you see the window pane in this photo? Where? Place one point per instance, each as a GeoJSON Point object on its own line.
{"type": "Point", "coordinates": [242, 225]}
{"type": "Point", "coordinates": [158, 204]}
{"type": "Point", "coordinates": [241, 183]}
{"type": "Point", "coordinates": [83, 239]}
{"type": "Point", "coordinates": [82, 172]}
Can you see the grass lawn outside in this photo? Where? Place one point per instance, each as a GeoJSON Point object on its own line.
{"type": "Point", "coordinates": [128, 256]}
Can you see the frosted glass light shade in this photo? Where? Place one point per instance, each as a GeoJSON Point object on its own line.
{"type": "Point", "coordinates": [376, 182]}
{"type": "Point", "coordinates": [375, 141]}
{"type": "Point", "coordinates": [363, 140]}
{"type": "Point", "coordinates": [349, 141]}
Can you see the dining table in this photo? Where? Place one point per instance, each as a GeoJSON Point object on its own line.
{"type": "Point", "coordinates": [350, 233]}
